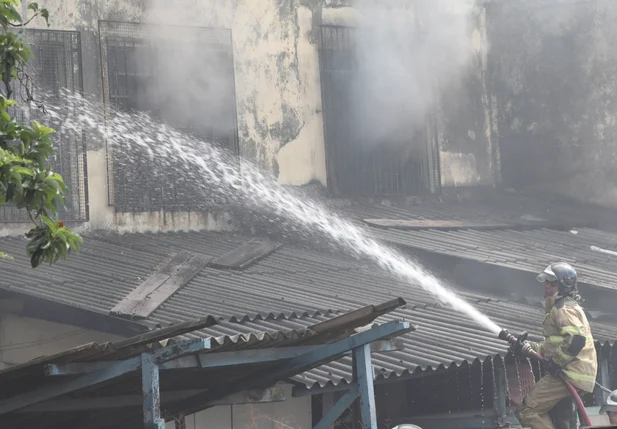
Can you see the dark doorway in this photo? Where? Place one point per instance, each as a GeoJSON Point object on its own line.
{"type": "Point", "coordinates": [358, 163]}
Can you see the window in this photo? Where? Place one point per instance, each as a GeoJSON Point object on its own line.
{"type": "Point", "coordinates": [57, 66]}
{"type": "Point", "coordinates": [181, 76]}
{"type": "Point", "coordinates": [356, 163]}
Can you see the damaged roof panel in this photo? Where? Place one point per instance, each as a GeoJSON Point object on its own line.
{"type": "Point", "coordinates": [246, 254]}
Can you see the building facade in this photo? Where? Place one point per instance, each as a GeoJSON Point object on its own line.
{"type": "Point", "coordinates": [277, 83]}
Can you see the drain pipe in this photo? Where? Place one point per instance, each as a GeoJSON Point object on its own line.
{"type": "Point", "coordinates": [582, 412]}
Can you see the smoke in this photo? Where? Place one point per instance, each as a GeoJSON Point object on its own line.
{"type": "Point", "coordinates": [406, 57]}
{"type": "Point", "coordinates": [189, 69]}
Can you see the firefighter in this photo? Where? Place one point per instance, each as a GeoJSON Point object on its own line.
{"type": "Point", "coordinates": [568, 347]}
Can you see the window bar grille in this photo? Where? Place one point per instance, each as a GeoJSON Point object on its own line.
{"type": "Point", "coordinates": [133, 80]}
{"type": "Point", "coordinates": [56, 66]}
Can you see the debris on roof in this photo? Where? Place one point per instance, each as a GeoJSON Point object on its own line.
{"type": "Point", "coordinates": [246, 254]}
{"type": "Point", "coordinates": [160, 285]}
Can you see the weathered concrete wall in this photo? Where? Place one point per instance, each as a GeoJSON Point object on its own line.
{"type": "Point", "coordinates": [553, 75]}
{"type": "Point", "coordinates": [24, 338]}
{"type": "Point", "coordinates": [292, 413]}
{"type": "Point", "coordinates": [277, 92]}
{"type": "Point", "coordinates": [277, 79]}
{"type": "Point", "coordinates": [468, 156]}
{"type": "Point", "coordinates": [276, 69]}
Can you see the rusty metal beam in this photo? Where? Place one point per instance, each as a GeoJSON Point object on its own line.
{"type": "Point", "coordinates": [364, 370]}
{"type": "Point", "coordinates": [291, 367]}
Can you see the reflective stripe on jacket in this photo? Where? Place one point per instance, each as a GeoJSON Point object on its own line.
{"type": "Point", "coordinates": [568, 340]}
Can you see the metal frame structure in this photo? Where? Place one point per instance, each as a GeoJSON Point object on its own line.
{"type": "Point", "coordinates": [199, 354]}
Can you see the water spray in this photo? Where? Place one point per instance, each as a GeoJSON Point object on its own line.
{"type": "Point", "coordinates": [512, 340]}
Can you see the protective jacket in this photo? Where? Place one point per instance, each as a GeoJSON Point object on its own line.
{"type": "Point", "coordinates": [568, 341]}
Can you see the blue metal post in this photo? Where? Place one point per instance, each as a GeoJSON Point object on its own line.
{"type": "Point", "coordinates": [364, 370]}
{"type": "Point", "coordinates": [151, 393]}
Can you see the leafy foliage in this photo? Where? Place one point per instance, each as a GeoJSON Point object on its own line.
{"type": "Point", "coordinates": [26, 180]}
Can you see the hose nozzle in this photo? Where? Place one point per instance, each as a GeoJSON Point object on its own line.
{"type": "Point", "coordinates": [508, 337]}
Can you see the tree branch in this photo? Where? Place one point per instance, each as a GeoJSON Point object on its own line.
{"type": "Point", "coordinates": [32, 219]}
{"type": "Point", "coordinates": [25, 23]}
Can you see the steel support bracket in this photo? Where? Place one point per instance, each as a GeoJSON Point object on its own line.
{"type": "Point", "coordinates": [361, 387]}
{"type": "Point", "coordinates": [339, 408]}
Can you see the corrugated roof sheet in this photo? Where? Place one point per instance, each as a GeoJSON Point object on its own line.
{"type": "Point", "coordinates": [521, 250]}
{"type": "Point", "coordinates": [298, 285]}
{"type": "Point", "coordinates": [486, 206]}
{"type": "Point", "coordinates": [443, 338]}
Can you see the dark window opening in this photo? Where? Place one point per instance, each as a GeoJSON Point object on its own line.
{"type": "Point", "coordinates": [184, 79]}
{"type": "Point", "coordinates": [358, 163]}
{"type": "Point", "coordinates": [56, 67]}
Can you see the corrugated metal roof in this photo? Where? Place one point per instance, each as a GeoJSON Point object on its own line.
{"type": "Point", "coordinates": [108, 268]}
{"type": "Point", "coordinates": [443, 338]}
{"type": "Point", "coordinates": [486, 206]}
{"type": "Point", "coordinates": [296, 286]}
{"type": "Point", "coordinates": [521, 250]}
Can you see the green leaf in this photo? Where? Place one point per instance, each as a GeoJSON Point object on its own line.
{"type": "Point", "coordinates": [35, 259]}
{"type": "Point", "coordinates": [33, 6]}
{"type": "Point", "coordinates": [45, 15]}
{"type": "Point", "coordinates": [22, 170]}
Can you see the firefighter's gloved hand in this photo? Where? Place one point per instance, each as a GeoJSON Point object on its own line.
{"type": "Point", "coordinates": [521, 348]}
{"type": "Point", "coordinates": [551, 366]}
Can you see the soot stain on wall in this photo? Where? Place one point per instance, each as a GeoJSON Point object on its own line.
{"type": "Point", "coordinates": [554, 84]}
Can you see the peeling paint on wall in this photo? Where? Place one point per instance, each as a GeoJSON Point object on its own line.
{"type": "Point", "coordinates": [464, 119]}
{"type": "Point", "coordinates": [278, 92]}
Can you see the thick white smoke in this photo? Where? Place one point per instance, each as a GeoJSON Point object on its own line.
{"type": "Point", "coordinates": [407, 56]}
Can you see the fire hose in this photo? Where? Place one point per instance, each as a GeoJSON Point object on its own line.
{"type": "Point", "coordinates": [582, 412]}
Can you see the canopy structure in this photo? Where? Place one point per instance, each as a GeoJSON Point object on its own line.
{"type": "Point", "coordinates": [156, 376]}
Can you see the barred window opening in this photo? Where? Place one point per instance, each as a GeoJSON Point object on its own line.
{"type": "Point", "coordinates": [56, 66]}
{"type": "Point", "coordinates": [361, 160]}
{"type": "Point", "coordinates": [184, 79]}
